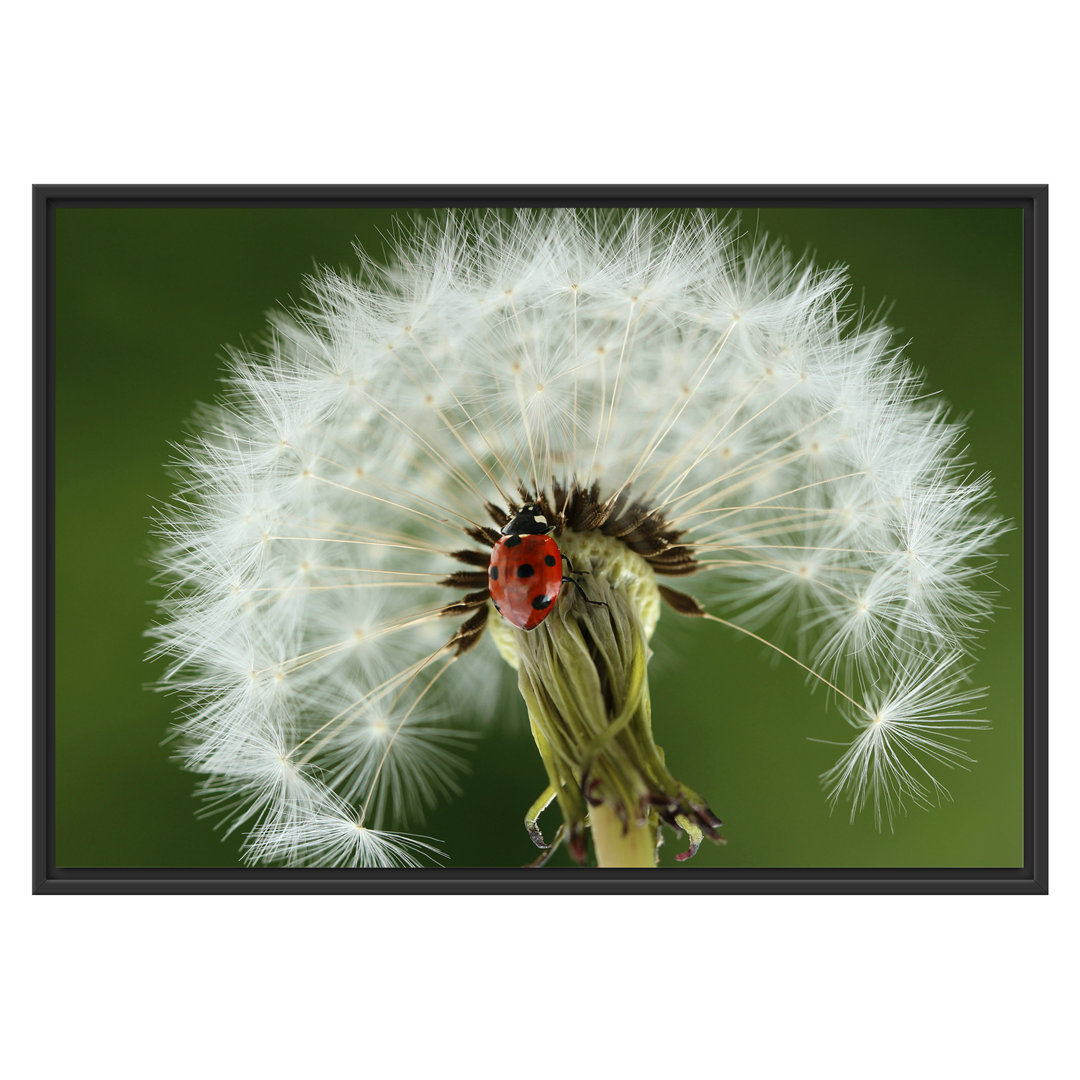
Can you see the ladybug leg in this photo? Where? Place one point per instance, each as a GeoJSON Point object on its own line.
{"type": "Point", "coordinates": [585, 595]}
{"type": "Point", "coordinates": [573, 569]}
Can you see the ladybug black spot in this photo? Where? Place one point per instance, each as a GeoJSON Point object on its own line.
{"type": "Point", "coordinates": [541, 602]}
{"type": "Point", "coordinates": [549, 559]}
{"type": "Point", "coordinates": [512, 541]}
{"type": "Point", "coordinates": [525, 570]}
{"type": "Point", "coordinates": [493, 573]}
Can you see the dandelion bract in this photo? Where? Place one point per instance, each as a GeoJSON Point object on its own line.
{"type": "Point", "coordinates": [715, 433]}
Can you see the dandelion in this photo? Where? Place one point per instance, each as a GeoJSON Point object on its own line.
{"type": "Point", "coordinates": [670, 404]}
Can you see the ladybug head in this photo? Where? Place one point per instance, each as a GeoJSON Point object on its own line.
{"type": "Point", "coordinates": [530, 520]}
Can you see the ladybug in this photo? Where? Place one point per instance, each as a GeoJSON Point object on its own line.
{"type": "Point", "coordinates": [526, 569]}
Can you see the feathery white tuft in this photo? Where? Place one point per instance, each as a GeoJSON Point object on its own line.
{"type": "Point", "coordinates": [901, 734]}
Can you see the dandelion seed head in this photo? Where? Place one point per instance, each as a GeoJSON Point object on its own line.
{"type": "Point", "coordinates": [323, 559]}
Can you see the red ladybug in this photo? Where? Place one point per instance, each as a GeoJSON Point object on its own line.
{"type": "Point", "coordinates": [526, 569]}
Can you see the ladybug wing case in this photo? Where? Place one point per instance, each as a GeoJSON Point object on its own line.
{"type": "Point", "coordinates": [524, 578]}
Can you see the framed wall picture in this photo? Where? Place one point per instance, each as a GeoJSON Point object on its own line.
{"type": "Point", "coordinates": [517, 540]}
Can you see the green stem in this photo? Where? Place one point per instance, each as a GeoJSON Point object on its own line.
{"type": "Point", "coordinates": [617, 845]}
{"type": "Point", "coordinates": [583, 676]}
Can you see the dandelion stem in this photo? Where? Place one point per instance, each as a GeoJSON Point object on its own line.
{"type": "Point", "coordinates": [621, 846]}
{"type": "Point", "coordinates": [583, 675]}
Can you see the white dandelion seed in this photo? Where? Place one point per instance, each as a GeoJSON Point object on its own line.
{"type": "Point", "coordinates": [902, 735]}
{"type": "Point", "coordinates": [680, 404]}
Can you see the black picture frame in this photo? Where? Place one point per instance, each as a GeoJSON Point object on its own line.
{"type": "Point", "coordinates": [1031, 878]}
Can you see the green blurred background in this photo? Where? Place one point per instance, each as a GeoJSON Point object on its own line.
{"type": "Point", "coordinates": [145, 301]}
